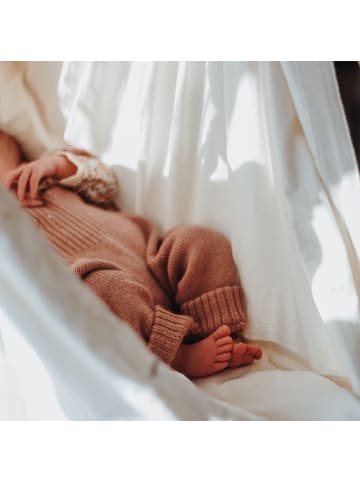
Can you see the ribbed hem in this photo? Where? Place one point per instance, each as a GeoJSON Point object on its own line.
{"type": "Point", "coordinates": [222, 306]}
{"type": "Point", "coordinates": [168, 332]}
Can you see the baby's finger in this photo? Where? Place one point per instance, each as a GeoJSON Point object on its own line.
{"type": "Point", "coordinates": [10, 177]}
{"type": "Point", "coordinates": [32, 203]}
{"type": "Point", "coordinates": [34, 182]}
{"type": "Point", "coordinates": [23, 183]}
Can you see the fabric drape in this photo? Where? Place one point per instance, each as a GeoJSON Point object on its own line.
{"type": "Point", "coordinates": [257, 150]}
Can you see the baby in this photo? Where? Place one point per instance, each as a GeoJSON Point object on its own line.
{"type": "Point", "coordinates": [179, 290]}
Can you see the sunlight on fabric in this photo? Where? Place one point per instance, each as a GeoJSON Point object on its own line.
{"type": "Point", "coordinates": [335, 298]}
{"type": "Point", "coordinates": [346, 193]}
{"type": "Point", "coordinates": [243, 129]}
{"type": "Point", "coordinates": [177, 113]}
{"type": "Point", "coordinates": [209, 114]}
{"type": "Point", "coordinates": [127, 137]}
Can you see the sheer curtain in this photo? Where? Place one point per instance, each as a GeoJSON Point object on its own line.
{"type": "Point", "coordinates": [258, 150]}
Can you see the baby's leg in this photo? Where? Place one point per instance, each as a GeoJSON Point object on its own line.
{"type": "Point", "coordinates": [196, 266]}
{"type": "Point", "coordinates": [162, 330]}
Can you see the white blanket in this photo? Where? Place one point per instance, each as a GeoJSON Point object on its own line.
{"type": "Point", "coordinates": [260, 151]}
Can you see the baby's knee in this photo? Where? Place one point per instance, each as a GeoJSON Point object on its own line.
{"type": "Point", "coordinates": [208, 239]}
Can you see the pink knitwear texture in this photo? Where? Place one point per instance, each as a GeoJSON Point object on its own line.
{"type": "Point", "coordinates": [220, 304]}
{"type": "Point", "coordinates": [168, 287]}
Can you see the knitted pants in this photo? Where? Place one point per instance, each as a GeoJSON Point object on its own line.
{"type": "Point", "coordinates": [194, 268]}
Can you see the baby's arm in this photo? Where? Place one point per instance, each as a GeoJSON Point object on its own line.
{"type": "Point", "coordinates": [93, 180]}
{"type": "Point", "coordinates": [73, 168]}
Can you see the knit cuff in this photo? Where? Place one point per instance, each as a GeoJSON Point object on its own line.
{"type": "Point", "coordinates": [93, 180]}
{"type": "Point", "coordinates": [76, 179]}
{"type": "Point", "coordinates": [168, 332]}
{"type": "Point", "coordinates": [223, 306]}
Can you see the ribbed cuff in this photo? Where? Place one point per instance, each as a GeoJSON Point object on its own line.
{"type": "Point", "coordinates": [84, 266]}
{"type": "Point", "coordinates": [222, 306]}
{"type": "Point", "coordinates": [168, 332]}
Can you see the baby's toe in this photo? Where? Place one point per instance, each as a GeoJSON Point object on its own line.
{"type": "Point", "coordinates": [225, 348]}
{"type": "Point", "coordinates": [223, 357]}
{"type": "Point", "coordinates": [255, 351]}
{"type": "Point", "coordinates": [239, 349]}
{"type": "Point", "coordinates": [226, 340]}
{"type": "Point", "coordinates": [221, 332]}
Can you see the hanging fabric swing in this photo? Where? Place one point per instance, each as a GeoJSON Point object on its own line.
{"type": "Point", "coordinates": [257, 150]}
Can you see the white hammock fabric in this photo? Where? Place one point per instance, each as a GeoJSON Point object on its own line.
{"type": "Point", "coordinates": [260, 151]}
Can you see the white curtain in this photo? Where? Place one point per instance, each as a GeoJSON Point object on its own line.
{"type": "Point", "coordinates": [260, 151]}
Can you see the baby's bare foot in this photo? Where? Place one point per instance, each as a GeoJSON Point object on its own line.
{"type": "Point", "coordinates": [244, 354]}
{"type": "Point", "coordinates": [206, 357]}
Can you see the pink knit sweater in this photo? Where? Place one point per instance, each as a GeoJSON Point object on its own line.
{"type": "Point", "coordinates": [171, 288]}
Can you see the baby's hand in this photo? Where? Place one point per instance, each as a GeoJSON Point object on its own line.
{"type": "Point", "coordinates": [27, 177]}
